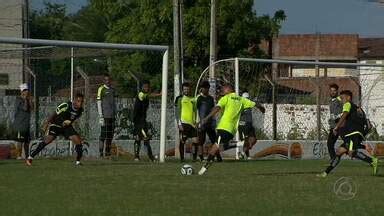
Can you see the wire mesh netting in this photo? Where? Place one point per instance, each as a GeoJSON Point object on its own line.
{"type": "Point", "coordinates": [299, 94]}
{"type": "Point", "coordinates": [52, 86]}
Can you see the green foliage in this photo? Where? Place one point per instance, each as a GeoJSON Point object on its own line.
{"type": "Point", "coordinates": [48, 23]}
{"type": "Point", "coordinates": [261, 135]}
{"type": "Point", "coordinates": [151, 22]}
{"type": "Point", "coordinates": [306, 99]}
{"type": "Point", "coordinates": [312, 134]}
{"type": "Point", "coordinates": [374, 135]}
{"type": "Point", "coordinates": [295, 133]}
{"type": "Point", "coordinates": [280, 136]}
{"type": "Point", "coordinates": [6, 133]}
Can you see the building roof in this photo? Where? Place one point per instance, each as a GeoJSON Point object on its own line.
{"type": "Point", "coordinates": [308, 85]}
{"type": "Point", "coordinates": [371, 48]}
{"type": "Point", "coordinates": [333, 47]}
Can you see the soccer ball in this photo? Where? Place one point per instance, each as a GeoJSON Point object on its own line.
{"type": "Point", "coordinates": [186, 169]}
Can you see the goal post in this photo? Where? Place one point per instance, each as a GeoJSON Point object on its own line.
{"type": "Point", "coordinates": [101, 46]}
{"type": "Point", "coordinates": [295, 93]}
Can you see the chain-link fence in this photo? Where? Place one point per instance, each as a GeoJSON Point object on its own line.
{"type": "Point", "coordinates": [296, 94]}
{"type": "Point", "coordinates": [55, 74]}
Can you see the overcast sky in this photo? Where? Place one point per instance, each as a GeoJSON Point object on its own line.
{"type": "Point", "coordinates": [364, 17]}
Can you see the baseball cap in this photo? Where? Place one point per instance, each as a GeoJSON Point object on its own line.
{"type": "Point", "coordinates": [23, 87]}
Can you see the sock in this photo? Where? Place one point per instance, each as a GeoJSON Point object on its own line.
{"type": "Point", "coordinates": [194, 151]}
{"type": "Point", "coordinates": [40, 147]}
{"type": "Point", "coordinates": [181, 150]}
{"type": "Point", "coordinates": [26, 149]}
{"type": "Point", "coordinates": [79, 151]}
{"type": "Point", "coordinates": [218, 157]}
{"type": "Point", "coordinates": [137, 146]}
{"type": "Point", "coordinates": [247, 153]}
{"type": "Point", "coordinates": [201, 157]}
{"type": "Point", "coordinates": [363, 156]}
{"type": "Point", "coordinates": [101, 148]}
{"type": "Point", "coordinates": [149, 150]}
{"type": "Point", "coordinates": [335, 161]}
{"type": "Point", "coordinates": [209, 161]}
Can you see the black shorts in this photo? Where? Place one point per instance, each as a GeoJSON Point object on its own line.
{"type": "Point", "coordinates": [188, 131]}
{"type": "Point", "coordinates": [246, 131]}
{"type": "Point", "coordinates": [23, 136]}
{"type": "Point", "coordinates": [353, 142]}
{"type": "Point", "coordinates": [66, 132]}
{"type": "Point", "coordinates": [224, 137]}
{"type": "Point", "coordinates": [140, 131]}
{"type": "Point", "coordinates": [210, 131]}
{"type": "Point", "coordinates": [108, 129]}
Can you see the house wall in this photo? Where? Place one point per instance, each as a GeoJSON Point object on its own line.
{"type": "Point", "coordinates": [11, 25]}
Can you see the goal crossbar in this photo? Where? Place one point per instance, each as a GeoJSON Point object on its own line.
{"type": "Point", "coordinates": [98, 45]}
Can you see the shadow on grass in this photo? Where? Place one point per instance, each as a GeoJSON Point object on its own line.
{"type": "Point", "coordinates": [118, 163]}
{"type": "Point", "coordinates": [284, 173]}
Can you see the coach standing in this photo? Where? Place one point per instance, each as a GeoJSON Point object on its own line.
{"type": "Point", "coordinates": [335, 111]}
{"type": "Point", "coordinates": [22, 121]}
{"type": "Point", "coordinates": [106, 107]}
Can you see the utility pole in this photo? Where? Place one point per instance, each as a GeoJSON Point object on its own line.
{"type": "Point", "coordinates": [177, 47]}
{"type": "Point", "coordinates": [212, 48]}
{"type": "Point", "coordinates": [213, 39]}
{"type": "Point", "coordinates": [318, 87]}
{"type": "Point", "coordinates": [177, 58]}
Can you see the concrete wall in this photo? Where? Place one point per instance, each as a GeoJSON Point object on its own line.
{"type": "Point", "coordinates": [264, 149]}
{"type": "Point", "coordinates": [11, 25]}
{"type": "Point", "coordinates": [298, 119]}
{"type": "Point", "coordinates": [331, 72]}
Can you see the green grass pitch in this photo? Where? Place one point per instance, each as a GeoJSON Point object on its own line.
{"type": "Point", "coordinates": [120, 187]}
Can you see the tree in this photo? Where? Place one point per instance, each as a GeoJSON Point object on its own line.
{"type": "Point", "coordinates": [49, 22]}
{"type": "Point", "coordinates": [150, 22]}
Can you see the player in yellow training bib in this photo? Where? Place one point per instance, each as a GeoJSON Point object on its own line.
{"type": "Point", "coordinates": [231, 106]}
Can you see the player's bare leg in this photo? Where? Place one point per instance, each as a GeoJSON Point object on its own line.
{"type": "Point", "coordinates": [77, 141]}
{"type": "Point", "coordinates": [101, 147]}
{"type": "Point", "coordinates": [211, 156]}
{"type": "Point", "coordinates": [201, 152]}
{"type": "Point", "coordinates": [196, 148]}
{"type": "Point", "coordinates": [147, 144]}
{"type": "Point", "coordinates": [334, 162]}
{"type": "Point", "coordinates": [181, 148]}
{"type": "Point", "coordinates": [248, 144]}
{"type": "Point", "coordinates": [26, 149]}
{"type": "Point", "coordinates": [46, 141]}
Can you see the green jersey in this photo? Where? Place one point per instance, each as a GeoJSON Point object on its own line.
{"type": "Point", "coordinates": [187, 109]}
{"type": "Point", "coordinates": [232, 106]}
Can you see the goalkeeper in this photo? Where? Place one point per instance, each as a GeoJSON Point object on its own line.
{"type": "Point", "coordinates": [106, 107]}
{"type": "Point", "coordinates": [352, 127]}
{"type": "Point", "coordinates": [60, 123]}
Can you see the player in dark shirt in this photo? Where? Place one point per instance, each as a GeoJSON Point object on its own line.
{"type": "Point", "coordinates": [22, 120]}
{"type": "Point", "coordinates": [106, 107]}
{"type": "Point", "coordinates": [246, 130]}
{"type": "Point", "coordinates": [205, 104]}
{"type": "Point", "coordinates": [351, 128]}
{"type": "Point", "coordinates": [140, 120]}
{"type": "Point", "coordinates": [60, 123]}
{"type": "Point", "coordinates": [335, 111]}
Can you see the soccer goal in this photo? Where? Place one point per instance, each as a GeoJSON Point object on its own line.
{"type": "Point", "coordinates": [296, 94]}
{"type": "Point", "coordinates": [56, 70]}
